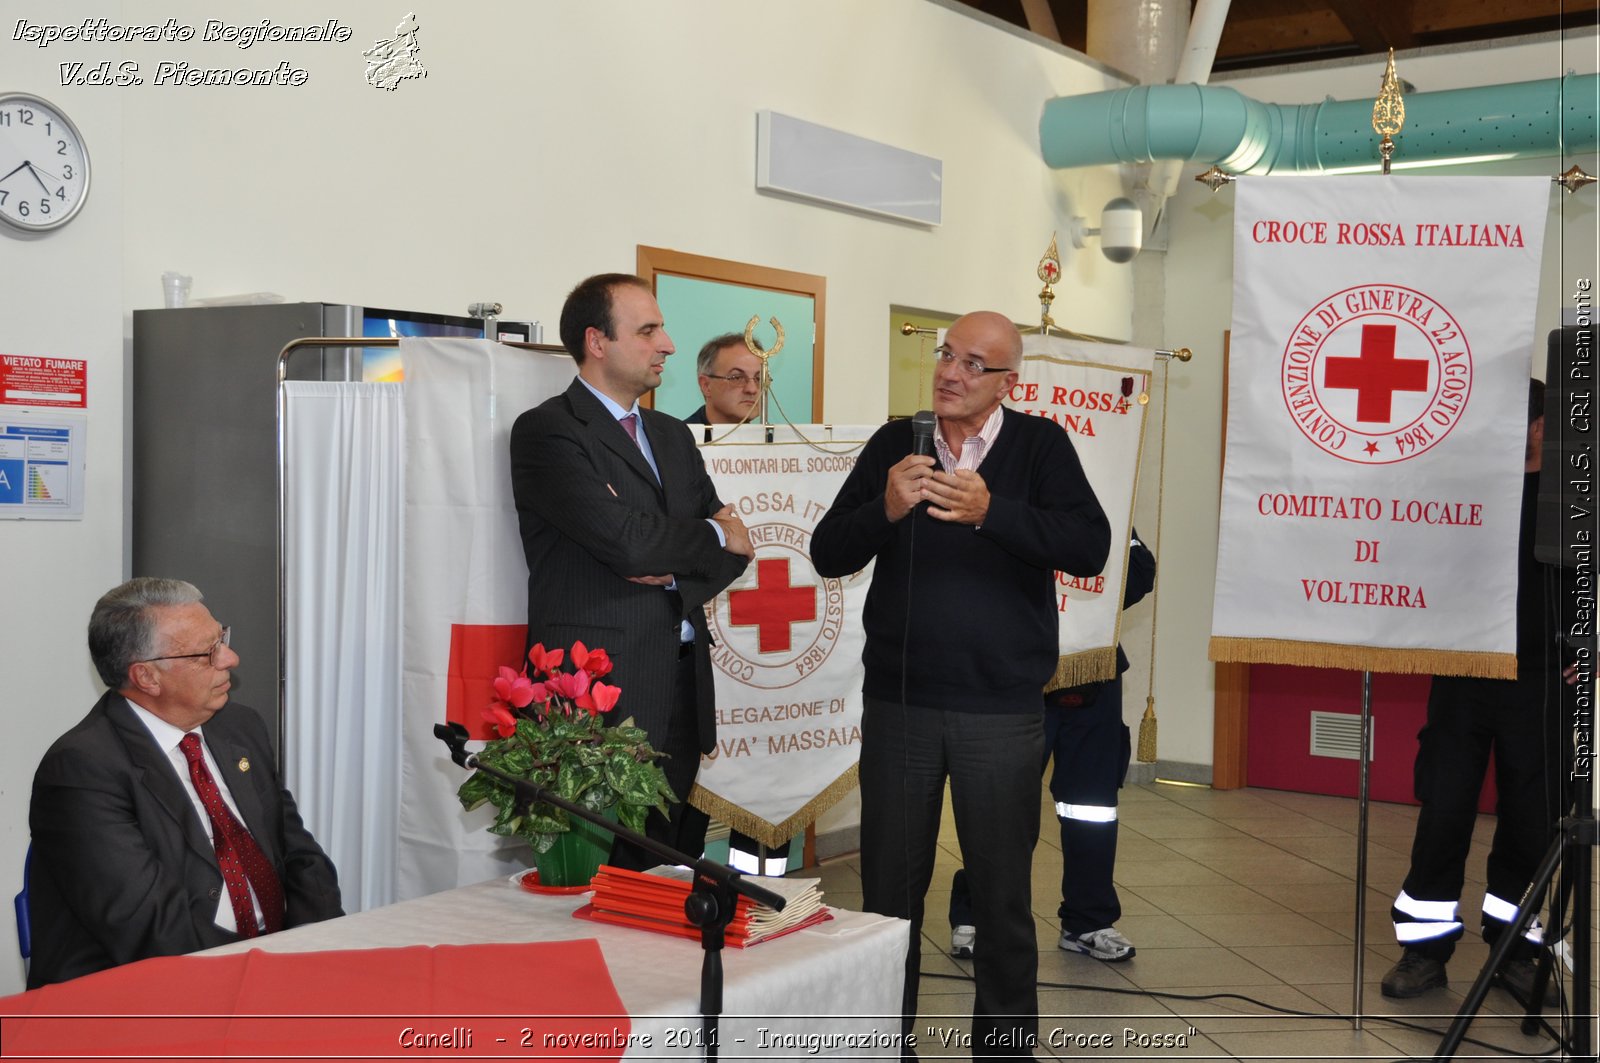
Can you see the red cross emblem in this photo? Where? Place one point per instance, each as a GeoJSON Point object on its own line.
{"type": "Point", "coordinates": [1376, 375]}
{"type": "Point", "coordinates": [772, 605]}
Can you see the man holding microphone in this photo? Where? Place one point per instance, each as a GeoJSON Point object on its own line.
{"type": "Point", "coordinates": [961, 626]}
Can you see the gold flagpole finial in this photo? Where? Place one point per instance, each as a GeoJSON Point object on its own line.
{"type": "Point", "coordinates": [1574, 178]}
{"type": "Point", "coordinates": [1388, 112]}
{"type": "Point", "coordinates": [765, 382]}
{"type": "Point", "coordinates": [1049, 271]}
{"type": "Point", "coordinates": [1215, 178]}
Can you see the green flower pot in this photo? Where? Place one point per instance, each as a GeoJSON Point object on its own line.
{"type": "Point", "coordinates": [577, 854]}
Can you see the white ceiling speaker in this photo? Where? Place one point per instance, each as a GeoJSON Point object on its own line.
{"type": "Point", "coordinates": [1121, 230]}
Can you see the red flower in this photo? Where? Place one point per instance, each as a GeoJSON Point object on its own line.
{"type": "Point", "coordinates": [596, 661]}
{"type": "Point", "coordinates": [515, 689]}
{"type": "Point", "coordinates": [544, 660]}
{"type": "Point", "coordinates": [500, 716]}
{"type": "Point", "coordinates": [601, 698]}
{"type": "Point", "coordinates": [569, 685]}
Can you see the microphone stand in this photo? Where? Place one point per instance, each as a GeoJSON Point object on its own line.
{"type": "Point", "coordinates": [711, 903]}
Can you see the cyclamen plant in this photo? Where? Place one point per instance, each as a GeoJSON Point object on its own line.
{"type": "Point", "coordinates": [553, 732]}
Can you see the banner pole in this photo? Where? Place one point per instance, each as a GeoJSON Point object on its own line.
{"type": "Point", "coordinates": [1361, 848]}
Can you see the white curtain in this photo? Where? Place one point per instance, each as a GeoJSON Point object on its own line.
{"type": "Point", "coordinates": [344, 465]}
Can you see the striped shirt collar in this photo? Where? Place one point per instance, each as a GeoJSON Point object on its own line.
{"type": "Point", "coordinates": [973, 448]}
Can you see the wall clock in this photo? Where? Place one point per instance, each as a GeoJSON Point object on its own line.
{"type": "Point", "coordinates": [44, 165]}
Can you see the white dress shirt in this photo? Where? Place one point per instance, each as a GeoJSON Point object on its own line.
{"type": "Point", "coordinates": [167, 738]}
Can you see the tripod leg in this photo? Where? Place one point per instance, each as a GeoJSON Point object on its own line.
{"type": "Point", "coordinates": [1501, 952]}
{"type": "Point", "coordinates": [1544, 968]}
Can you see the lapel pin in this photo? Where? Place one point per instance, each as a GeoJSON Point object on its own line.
{"type": "Point", "coordinates": [244, 763]}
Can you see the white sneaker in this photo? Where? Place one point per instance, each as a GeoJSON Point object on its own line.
{"type": "Point", "coordinates": [1107, 944]}
{"type": "Point", "coordinates": [963, 940]}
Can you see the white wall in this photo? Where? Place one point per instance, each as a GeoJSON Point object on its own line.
{"type": "Point", "coordinates": [1198, 283]}
{"type": "Point", "coordinates": [62, 296]}
{"type": "Point", "coordinates": [548, 140]}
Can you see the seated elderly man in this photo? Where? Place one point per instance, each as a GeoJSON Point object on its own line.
{"type": "Point", "coordinates": [159, 823]}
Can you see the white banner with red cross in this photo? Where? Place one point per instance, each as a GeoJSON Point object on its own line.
{"type": "Point", "coordinates": [1378, 380]}
{"type": "Point", "coordinates": [788, 642]}
{"type": "Point", "coordinates": [465, 589]}
{"type": "Point", "coordinates": [1099, 393]}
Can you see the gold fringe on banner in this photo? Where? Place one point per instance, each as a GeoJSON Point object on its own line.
{"type": "Point", "coordinates": [1085, 666]}
{"type": "Point", "coordinates": [773, 835]}
{"type": "Point", "coordinates": [1363, 658]}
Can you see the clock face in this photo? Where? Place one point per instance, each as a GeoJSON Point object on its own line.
{"type": "Point", "coordinates": [44, 166]}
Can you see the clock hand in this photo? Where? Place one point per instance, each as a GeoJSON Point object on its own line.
{"type": "Point", "coordinates": [35, 171]}
{"type": "Point", "coordinates": [20, 165]}
{"type": "Point", "coordinates": [47, 173]}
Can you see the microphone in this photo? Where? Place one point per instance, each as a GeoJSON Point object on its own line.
{"type": "Point", "coordinates": [922, 432]}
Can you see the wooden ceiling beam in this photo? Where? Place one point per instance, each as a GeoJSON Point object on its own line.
{"type": "Point", "coordinates": [1262, 32]}
{"type": "Point", "coordinates": [1376, 25]}
{"type": "Point", "coordinates": [1453, 16]}
{"type": "Point", "coordinates": [1289, 33]}
{"type": "Point", "coordinates": [1041, 20]}
{"type": "Point", "coordinates": [1072, 20]}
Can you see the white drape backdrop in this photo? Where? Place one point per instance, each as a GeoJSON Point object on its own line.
{"type": "Point", "coordinates": [344, 461]}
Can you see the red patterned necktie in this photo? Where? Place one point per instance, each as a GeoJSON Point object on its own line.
{"type": "Point", "coordinates": [238, 855]}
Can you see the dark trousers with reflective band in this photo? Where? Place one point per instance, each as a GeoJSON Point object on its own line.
{"type": "Point", "coordinates": [1466, 718]}
{"type": "Point", "coordinates": [992, 764]}
{"type": "Point", "coordinates": [1092, 748]}
{"type": "Point", "coordinates": [685, 829]}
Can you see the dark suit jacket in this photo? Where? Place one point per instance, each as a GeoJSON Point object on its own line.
{"type": "Point", "coordinates": [592, 514]}
{"type": "Point", "coordinates": [122, 868]}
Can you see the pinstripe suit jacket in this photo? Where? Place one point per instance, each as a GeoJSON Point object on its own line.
{"type": "Point", "coordinates": [592, 515]}
{"type": "Point", "coordinates": [122, 867]}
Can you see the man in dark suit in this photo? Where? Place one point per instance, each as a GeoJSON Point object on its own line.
{"type": "Point", "coordinates": [625, 537]}
{"type": "Point", "coordinates": [138, 847]}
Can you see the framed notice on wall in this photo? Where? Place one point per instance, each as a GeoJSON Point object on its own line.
{"type": "Point", "coordinates": [41, 465]}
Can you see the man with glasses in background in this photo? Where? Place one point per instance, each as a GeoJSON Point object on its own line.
{"type": "Point", "coordinates": [159, 824]}
{"type": "Point", "coordinates": [961, 623]}
{"type": "Point", "coordinates": [730, 381]}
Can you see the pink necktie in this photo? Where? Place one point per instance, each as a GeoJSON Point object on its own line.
{"type": "Point", "coordinates": [238, 855]}
{"type": "Point", "coordinates": [631, 423]}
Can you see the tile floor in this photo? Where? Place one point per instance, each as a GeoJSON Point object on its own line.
{"type": "Point", "coordinates": [1242, 892]}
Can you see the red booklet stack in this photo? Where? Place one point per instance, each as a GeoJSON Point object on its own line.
{"type": "Point", "coordinates": [653, 900]}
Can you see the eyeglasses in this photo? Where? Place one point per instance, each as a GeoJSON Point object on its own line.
{"type": "Point", "coordinates": [969, 366]}
{"type": "Point", "coordinates": [213, 655]}
{"type": "Point", "coordinates": [736, 378]}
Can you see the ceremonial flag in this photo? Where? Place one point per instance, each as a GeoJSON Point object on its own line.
{"type": "Point", "coordinates": [466, 587]}
{"type": "Point", "coordinates": [1377, 422]}
{"type": "Point", "coordinates": [788, 642]}
{"type": "Point", "coordinates": [1092, 390]}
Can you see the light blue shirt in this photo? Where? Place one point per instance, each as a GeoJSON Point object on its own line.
{"type": "Point", "coordinates": [615, 409]}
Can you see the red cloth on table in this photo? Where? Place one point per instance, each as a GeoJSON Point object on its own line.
{"type": "Point", "coordinates": [306, 1004]}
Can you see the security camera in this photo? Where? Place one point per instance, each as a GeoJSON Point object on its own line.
{"type": "Point", "coordinates": [1121, 230]}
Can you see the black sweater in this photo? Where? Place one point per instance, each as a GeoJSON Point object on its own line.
{"type": "Point", "coordinates": [982, 601]}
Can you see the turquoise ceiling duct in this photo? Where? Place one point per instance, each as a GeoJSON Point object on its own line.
{"type": "Point", "coordinates": [1218, 124]}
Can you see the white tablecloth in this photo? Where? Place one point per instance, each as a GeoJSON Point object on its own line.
{"type": "Point", "coordinates": [829, 990]}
